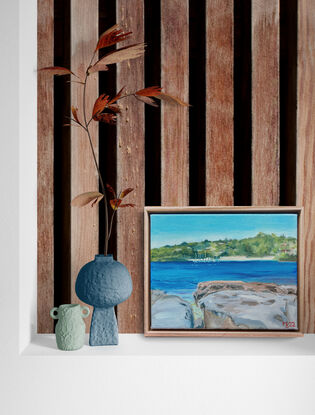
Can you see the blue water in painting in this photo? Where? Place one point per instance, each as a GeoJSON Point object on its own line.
{"type": "Point", "coordinates": [182, 278]}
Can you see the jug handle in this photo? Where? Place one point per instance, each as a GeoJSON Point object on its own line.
{"type": "Point", "coordinates": [85, 308]}
{"type": "Point", "coordinates": [52, 315]}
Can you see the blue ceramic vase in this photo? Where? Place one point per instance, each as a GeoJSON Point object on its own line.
{"type": "Point", "coordinates": [103, 283]}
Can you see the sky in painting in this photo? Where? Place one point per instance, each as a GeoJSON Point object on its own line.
{"type": "Point", "coordinates": [171, 229]}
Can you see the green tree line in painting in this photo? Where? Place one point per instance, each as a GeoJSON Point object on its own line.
{"type": "Point", "coordinates": [281, 248]}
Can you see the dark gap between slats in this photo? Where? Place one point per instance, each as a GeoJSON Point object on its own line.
{"type": "Point", "coordinates": [152, 114]}
{"type": "Point", "coordinates": [197, 111]}
{"type": "Point", "coordinates": [242, 103]}
{"type": "Point", "coordinates": [62, 159]}
{"type": "Point", "coordinates": [107, 133]}
{"type": "Point", "coordinates": [288, 100]}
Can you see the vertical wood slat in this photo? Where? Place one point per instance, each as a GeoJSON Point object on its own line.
{"type": "Point", "coordinates": [219, 103]}
{"type": "Point", "coordinates": [174, 119]}
{"type": "Point", "coordinates": [306, 152]}
{"type": "Point", "coordinates": [265, 102]}
{"type": "Point", "coordinates": [45, 171]}
{"type": "Point", "coordinates": [131, 169]}
{"type": "Point", "coordinates": [84, 221]}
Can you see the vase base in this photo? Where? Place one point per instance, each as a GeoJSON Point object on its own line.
{"type": "Point", "coordinates": [104, 330]}
{"type": "Point", "coordinates": [103, 343]}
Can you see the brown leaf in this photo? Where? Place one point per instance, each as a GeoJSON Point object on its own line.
{"type": "Point", "coordinates": [110, 189]}
{"type": "Point", "coordinates": [147, 100]}
{"type": "Point", "coordinates": [127, 205]}
{"type": "Point", "coordinates": [120, 55]}
{"type": "Point", "coordinates": [112, 36]}
{"type": "Point", "coordinates": [56, 70]}
{"type": "Point", "coordinates": [75, 82]}
{"type": "Point", "coordinates": [114, 203]}
{"type": "Point", "coordinates": [106, 117]}
{"type": "Point", "coordinates": [171, 99]}
{"type": "Point", "coordinates": [151, 91]}
{"type": "Point", "coordinates": [116, 97]}
{"type": "Point", "coordinates": [71, 125]}
{"type": "Point", "coordinates": [98, 68]}
{"type": "Point", "coordinates": [125, 192]}
{"type": "Point", "coordinates": [75, 114]}
{"type": "Point", "coordinates": [87, 198]}
{"type": "Point", "coordinates": [99, 105]}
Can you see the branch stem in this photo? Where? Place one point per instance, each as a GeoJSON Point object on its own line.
{"type": "Point", "coordinates": [95, 161]}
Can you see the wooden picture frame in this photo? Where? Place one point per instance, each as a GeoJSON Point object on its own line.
{"type": "Point", "coordinates": [288, 329]}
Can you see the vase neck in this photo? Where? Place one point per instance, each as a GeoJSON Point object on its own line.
{"type": "Point", "coordinates": [104, 258]}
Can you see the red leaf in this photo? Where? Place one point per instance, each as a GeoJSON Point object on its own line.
{"type": "Point", "coordinates": [75, 114]}
{"type": "Point", "coordinates": [99, 105]}
{"type": "Point", "coordinates": [147, 100]}
{"type": "Point", "coordinates": [151, 91]}
{"type": "Point", "coordinates": [114, 108]}
{"type": "Point", "coordinates": [115, 203]}
{"type": "Point", "coordinates": [112, 36]}
{"type": "Point", "coordinates": [110, 189]}
{"type": "Point", "coordinates": [125, 192]}
{"type": "Point", "coordinates": [56, 70]}
{"type": "Point", "coordinates": [116, 98]}
{"type": "Point", "coordinates": [106, 117]}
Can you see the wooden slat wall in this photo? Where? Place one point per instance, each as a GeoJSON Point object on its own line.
{"type": "Point", "coordinates": [219, 103]}
{"type": "Point", "coordinates": [175, 133]}
{"type": "Point", "coordinates": [265, 102]}
{"type": "Point", "coordinates": [45, 178]}
{"type": "Point", "coordinates": [174, 119]}
{"type": "Point", "coordinates": [306, 152]}
{"type": "Point", "coordinates": [84, 221]}
{"type": "Point", "coordinates": [130, 167]}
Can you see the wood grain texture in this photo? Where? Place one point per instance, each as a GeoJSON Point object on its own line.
{"type": "Point", "coordinates": [45, 172]}
{"type": "Point", "coordinates": [131, 169]}
{"type": "Point", "coordinates": [84, 221]}
{"type": "Point", "coordinates": [174, 119]}
{"type": "Point", "coordinates": [306, 151]}
{"type": "Point", "coordinates": [219, 102]}
{"type": "Point", "coordinates": [265, 102]}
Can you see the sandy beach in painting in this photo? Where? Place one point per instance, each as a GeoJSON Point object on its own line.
{"type": "Point", "coordinates": [244, 258]}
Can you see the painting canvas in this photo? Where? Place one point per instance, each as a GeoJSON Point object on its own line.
{"type": "Point", "coordinates": [223, 270]}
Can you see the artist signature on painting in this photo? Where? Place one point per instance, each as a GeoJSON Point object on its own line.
{"type": "Point", "coordinates": [288, 324]}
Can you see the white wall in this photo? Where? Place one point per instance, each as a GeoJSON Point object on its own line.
{"type": "Point", "coordinates": [148, 380]}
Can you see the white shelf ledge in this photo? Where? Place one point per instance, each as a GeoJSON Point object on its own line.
{"type": "Point", "coordinates": [138, 345]}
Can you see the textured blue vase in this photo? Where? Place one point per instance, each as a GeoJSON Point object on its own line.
{"type": "Point", "coordinates": [103, 283]}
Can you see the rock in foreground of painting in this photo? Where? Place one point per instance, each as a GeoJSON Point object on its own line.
{"type": "Point", "coordinates": [238, 305]}
{"type": "Point", "coordinates": [170, 311]}
{"type": "Point", "coordinates": [228, 305]}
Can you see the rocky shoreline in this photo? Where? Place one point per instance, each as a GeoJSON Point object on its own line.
{"type": "Point", "coordinates": [170, 311]}
{"type": "Point", "coordinates": [228, 305]}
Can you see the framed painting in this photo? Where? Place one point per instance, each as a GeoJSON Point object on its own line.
{"type": "Point", "coordinates": [228, 271]}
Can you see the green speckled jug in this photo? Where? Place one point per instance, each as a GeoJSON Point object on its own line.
{"type": "Point", "coordinates": [70, 329]}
